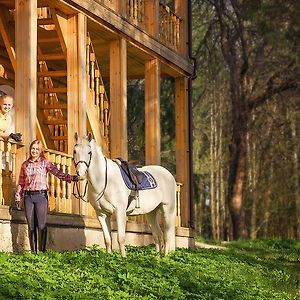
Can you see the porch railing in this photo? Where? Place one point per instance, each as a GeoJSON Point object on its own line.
{"type": "Point", "coordinates": [8, 172]}
{"type": "Point", "coordinates": [60, 192]}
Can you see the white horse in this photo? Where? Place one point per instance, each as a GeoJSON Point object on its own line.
{"type": "Point", "coordinates": [108, 194]}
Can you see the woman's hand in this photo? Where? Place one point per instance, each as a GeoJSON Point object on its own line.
{"type": "Point", "coordinates": [75, 178]}
{"type": "Point", "coordinates": [18, 203]}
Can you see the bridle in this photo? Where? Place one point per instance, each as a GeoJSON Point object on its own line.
{"type": "Point", "coordinates": [77, 193]}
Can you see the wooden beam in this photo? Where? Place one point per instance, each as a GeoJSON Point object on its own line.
{"type": "Point", "coordinates": [4, 29]}
{"type": "Point", "coordinates": [118, 99]}
{"type": "Point", "coordinates": [152, 112]}
{"type": "Point", "coordinates": [26, 70]}
{"type": "Point", "coordinates": [182, 147]}
{"type": "Point", "coordinates": [59, 31]}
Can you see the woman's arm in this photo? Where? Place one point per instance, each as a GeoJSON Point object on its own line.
{"type": "Point", "coordinates": [61, 175]}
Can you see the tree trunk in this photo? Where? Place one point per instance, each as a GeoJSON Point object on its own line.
{"type": "Point", "coordinates": [296, 173]}
{"type": "Point", "coordinates": [237, 173]}
{"type": "Point", "coordinates": [212, 175]}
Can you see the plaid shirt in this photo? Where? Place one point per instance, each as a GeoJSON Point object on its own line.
{"type": "Point", "coordinates": [33, 176]}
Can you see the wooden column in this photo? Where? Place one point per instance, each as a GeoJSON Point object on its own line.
{"type": "Point", "coordinates": [82, 92]}
{"type": "Point", "coordinates": [152, 112]}
{"type": "Point", "coordinates": [181, 10]}
{"type": "Point", "coordinates": [72, 81]}
{"type": "Point", "coordinates": [118, 99]}
{"type": "Point", "coordinates": [76, 87]}
{"type": "Point", "coordinates": [152, 9]}
{"type": "Point", "coordinates": [26, 70]}
{"type": "Point", "coordinates": [182, 147]}
{"type": "Point", "coordinates": [77, 77]}
{"type": "Point", "coordinates": [82, 73]}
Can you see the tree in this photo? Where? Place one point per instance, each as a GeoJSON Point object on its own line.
{"type": "Point", "coordinates": [256, 40]}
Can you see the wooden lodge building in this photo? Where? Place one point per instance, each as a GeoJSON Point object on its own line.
{"type": "Point", "coordinates": [58, 56]}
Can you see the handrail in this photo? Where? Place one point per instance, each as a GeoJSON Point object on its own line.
{"type": "Point", "coordinates": [8, 154]}
{"type": "Point", "coordinates": [97, 91]}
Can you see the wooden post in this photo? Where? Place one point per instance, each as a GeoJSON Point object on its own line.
{"type": "Point", "coordinates": [152, 25]}
{"type": "Point", "coordinates": [119, 7]}
{"type": "Point", "coordinates": [181, 10]}
{"type": "Point", "coordinates": [182, 147]}
{"type": "Point", "coordinates": [118, 98]}
{"type": "Point", "coordinates": [26, 71]}
{"type": "Point", "coordinates": [72, 80]}
{"type": "Point", "coordinates": [152, 112]}
{"type": "Point", "coordinates": [82, 73]}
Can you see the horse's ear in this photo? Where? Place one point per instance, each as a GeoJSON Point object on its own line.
{"type": "Point", "coordinates": [90, 137]}
{"type": "Point", "coordinates": [76, 136]}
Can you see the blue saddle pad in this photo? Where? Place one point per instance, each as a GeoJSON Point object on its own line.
{"type": "Point", "coordinates": [147, 182]}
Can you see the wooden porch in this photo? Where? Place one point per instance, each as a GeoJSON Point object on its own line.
{"type": "Point", "coordinates": [69, 62]}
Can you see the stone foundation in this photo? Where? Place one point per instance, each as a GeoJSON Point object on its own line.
{"type": "Point", "coordinates": [72, 232]}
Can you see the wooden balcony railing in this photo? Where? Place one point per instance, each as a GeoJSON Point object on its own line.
{"type": "Point", "coordinates": [169, 27]}
{"type": "Point", "coordinates": [135, 11]}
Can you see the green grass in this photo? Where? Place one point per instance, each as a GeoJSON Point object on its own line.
{"type": "Point", "coordinates": [246, 270]}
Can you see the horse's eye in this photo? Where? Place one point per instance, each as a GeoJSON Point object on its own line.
{"type": "Point", "coordinates": [74, 152]}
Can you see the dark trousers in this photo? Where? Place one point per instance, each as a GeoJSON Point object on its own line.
{"type": "Point", "coordinates": [36, 208]}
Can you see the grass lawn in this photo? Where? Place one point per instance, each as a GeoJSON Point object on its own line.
{"type": "Point", "coordinates": [262, 269]}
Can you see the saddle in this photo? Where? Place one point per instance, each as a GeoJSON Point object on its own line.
{"type": "Point", "coordinates": [133, 178]}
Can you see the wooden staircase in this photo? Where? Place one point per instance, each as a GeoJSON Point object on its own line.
{"type": "Point", "coordinates": [52, 86]}
{"type": "Point", "coordinates": [52, 89]}
{"type": "Point", "coordinates": [52, 80]}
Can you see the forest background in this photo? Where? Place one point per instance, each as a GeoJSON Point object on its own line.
{"type": "Point", "coordinates": [246, 118]}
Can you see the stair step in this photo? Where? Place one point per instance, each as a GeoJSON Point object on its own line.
{"type": "Point", "coordinates": [52, 56]}
{"type": "Point", "coordinates": [49, 40]}
{"type": "Point", "coordinates": [61, 73]}
{"type": "Point", "coordinates": [55, 122]}
{"type": "Point", "coordinates": [45, 21]}
{"type": "Point", "coordinates": [59, 138]}
{"type": "Point", "coordinates": [54, 106]}
{"type": "Point", "coordinates": [61, 90]}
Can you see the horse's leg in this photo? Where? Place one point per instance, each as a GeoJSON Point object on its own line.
{"type": "Point", "coordinates": [169, 214]}
{"type": "Point", "coordinates": [156, 230]}
{"type": "Point", "coordinates": [121, 228]}
{"type": "Point", "coordinates": [106, 228]}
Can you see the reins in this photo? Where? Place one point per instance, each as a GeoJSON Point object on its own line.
{"type": "Point", "coordinates": [78, 195]}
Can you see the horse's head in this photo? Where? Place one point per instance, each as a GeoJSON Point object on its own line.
{"type": "Point", "coordinates": [82, 155]}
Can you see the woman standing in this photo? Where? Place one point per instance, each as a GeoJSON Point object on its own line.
{"type": "Point", "coordinates": [33, 187]}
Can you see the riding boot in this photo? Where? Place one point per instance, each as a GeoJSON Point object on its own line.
{"type": "Point", "coordinates": [33, 240]}
{"type": "Point", "coordinates": [42, 239]}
